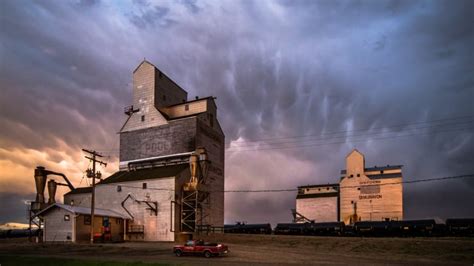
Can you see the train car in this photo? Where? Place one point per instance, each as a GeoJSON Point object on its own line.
{"type": "Point", "coordinates": [325, 229]}
{"type": "Point", "coordinates": [290, 229]}
{"type": "Point", "coordinates": [413, 227]}
{"type": "Point", "coordinates": [460, 226]}
{"type": "Point", "coordinates": [241, 228]}
{"type": "Point", "coordinates": [256, 229]}
{"type": "Point", "coordinates": [349, 230]}
{"type": "Point", "coordinates": [4, 233]}
{"type": "Point", "coordinates": [440, 230]}
{"type": "Point", "coordinates": [19, 233]}
{"type": "Point", "coordinates": [229, 228]}
{"type": "Point", "coordinates": [407, 228]}
{"type": "Point", "coordinates": [372, 228]}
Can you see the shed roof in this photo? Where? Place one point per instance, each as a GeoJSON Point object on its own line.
{"type": "Point", "coordinates": [143, 174]}
{"type": "Point", "coordinates": [80, 190]}
{"type": "Point", "coordinates": [83, 210]}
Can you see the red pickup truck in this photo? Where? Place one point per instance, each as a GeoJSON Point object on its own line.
{"type": "Point", "coordinates": [200, 247]}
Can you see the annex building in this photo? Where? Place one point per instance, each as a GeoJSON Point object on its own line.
{"type": "Point", "coordinates": [171, 174]}
{"type": "Point", "coordinates": [363, 194]}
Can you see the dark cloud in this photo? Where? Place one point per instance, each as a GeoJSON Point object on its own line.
{"type": "Point", "coordinates": [13, 207]}
{"type": "Point", "coordinates": [278, 69]}
{"type": "Point", "coordinates": [191, 5]}
{"type": "Point", "coordinates": [149, 16]}
{"type": "Point", "coordinates": [88, 2]}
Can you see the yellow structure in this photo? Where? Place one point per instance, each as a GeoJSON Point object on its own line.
{"type": "Point", "coordinates": [370, 194]}
{"type": "Point", "coordinates": [363, 194]}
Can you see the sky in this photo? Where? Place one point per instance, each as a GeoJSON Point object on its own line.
{"type": "Point", "coordinates": [299, 84]}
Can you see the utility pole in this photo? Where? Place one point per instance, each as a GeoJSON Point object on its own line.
{"type": "Point", "coordinates": [93, 174]}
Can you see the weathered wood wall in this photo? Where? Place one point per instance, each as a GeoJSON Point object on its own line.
{"type": "Point", "coordinates": [157, 228]}
{"type": "Point", "coordinates": [56, 229]}
{"type": "Point", "coordinates": [178, 136]}
{"type": "Point", "coordinates": [322, 209]}
{"type": "Point", "coordinates": [82, 199]}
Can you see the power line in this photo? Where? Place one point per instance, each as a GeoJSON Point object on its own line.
{"type": "Point", "coordinates": [345, 138]}
{"type": "Point", "coordinates": [415, 181]}
{"type": "Point", "coordinates": [93, 174]}
{"type": "Point", "coordinates": [366, 129]}
{"type": "Point", "coordinates": [295, 189]}
{"type": "Point", "coordinates": [453, 121]}
{"type": "Point", "coordinates": [355, 135]}
{"type": "Point", "coordinates": [348, 141]}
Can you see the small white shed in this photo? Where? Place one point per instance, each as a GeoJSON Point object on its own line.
{"type": "Point", "coordinates": [66, 223]}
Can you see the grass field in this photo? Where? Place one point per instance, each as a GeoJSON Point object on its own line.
{"type": "Point", "coordinates": [250, 249]}
{"type": "Point", "coordinates": [21, 261]}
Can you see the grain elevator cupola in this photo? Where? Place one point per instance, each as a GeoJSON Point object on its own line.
{"type": "Point", "coordinates": [149, 81]}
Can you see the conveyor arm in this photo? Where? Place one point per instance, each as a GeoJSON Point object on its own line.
{"type": "Point", "coordinates": [71, 187]}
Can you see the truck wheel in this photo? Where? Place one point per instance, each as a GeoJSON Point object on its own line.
{"type": "Point", "coordinates": [178, 253]}
{"type": "Point", "coordinates": [207, 254]}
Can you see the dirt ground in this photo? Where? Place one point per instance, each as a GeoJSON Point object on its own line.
{"type": "Point", "coordinates": [267, 249]}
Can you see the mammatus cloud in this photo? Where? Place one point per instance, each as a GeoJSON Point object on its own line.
{"type": "Point", "coordinates": [244, 171]}
{"type": "Point", "coordinates": [277, 68]}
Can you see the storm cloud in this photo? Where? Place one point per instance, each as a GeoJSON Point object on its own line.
{"type": "Point", "coordinates": [286, 74]}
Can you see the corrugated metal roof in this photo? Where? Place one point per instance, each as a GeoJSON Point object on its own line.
{"type": "Point", "coordinates": [378, 168]}
{"type": "Point", "coordinates": [192, 101]}
{"type": "Point", "coordinates": [84, 210]}
{"type": "Point", "coordinates": [317, 195]}
{"type": "Point", "coordinates": [143, 174]}
{"type": "Point", "coordinates": [382, 176]}
{"type": "Point", "coordinates": [184, 116]}
{"type": "Point", "coordinates": [321, 185]}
